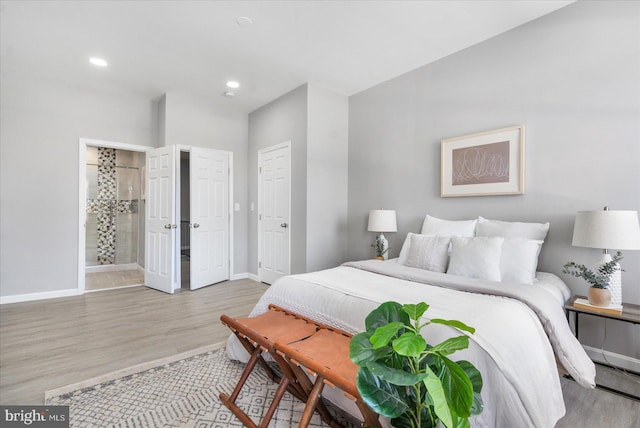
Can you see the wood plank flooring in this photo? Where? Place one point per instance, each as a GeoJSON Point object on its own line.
{"type": "Point", "coordinates": [52, 343]}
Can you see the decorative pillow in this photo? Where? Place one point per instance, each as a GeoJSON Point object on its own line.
{"type": "Point", "coordinates": [438, 227]}
{"type": "Point", "coordinates": [477, 257]}
{"type": "Point", "coordinates": [519, 259]}
{"type": "Point", "coordinates": [537, 231]}
{"type": "Point", "coordinates": [404, 251]}
{"type": "Point", "coordinates": [429, 252]}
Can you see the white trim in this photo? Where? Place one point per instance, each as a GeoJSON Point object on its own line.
{"type": "Point", "coordinates": [39, 296]}
{"type": "Point", "coordinates": [119, 287]}
{"type": "Point", "coordinates": [261, 152]}
{"type": "Point", "coordinates": [82, 199]}
{"type": "Point", "coordinates": [612, 358]}
{"type": "Point", "coordinates": [244, 275]}
{"type": "Point", "coordinates": [253, 277]}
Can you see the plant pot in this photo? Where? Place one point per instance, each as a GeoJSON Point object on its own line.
{"type": "Point", "coordinates": [599, 296]}
{"type": "Point", "coordinates": [379, 258]}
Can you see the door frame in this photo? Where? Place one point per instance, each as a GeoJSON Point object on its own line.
{"type": "Point", "coordinates": [285, 145]}
{"type": "Point", "coordinates": [82, 196]}
{"type": "Point", "coordinates": [186, 148]}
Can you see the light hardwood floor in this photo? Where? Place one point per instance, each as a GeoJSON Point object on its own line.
{"type": "Point", "coordinates": [52, 343]}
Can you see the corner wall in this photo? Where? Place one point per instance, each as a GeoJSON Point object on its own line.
{"type": "Point", "coordinates": [571, 78]}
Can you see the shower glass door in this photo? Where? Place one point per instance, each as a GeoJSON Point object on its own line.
{"type": "Point", "coordinates": [113, 197]}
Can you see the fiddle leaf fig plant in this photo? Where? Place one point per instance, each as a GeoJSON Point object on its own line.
{"type": "Point", "coordinates": [404, 378]}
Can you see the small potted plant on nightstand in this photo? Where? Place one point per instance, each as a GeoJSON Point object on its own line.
{"type": "Point", "coordinates": [598, 293]}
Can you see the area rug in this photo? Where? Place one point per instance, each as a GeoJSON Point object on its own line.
{"type": "Point", "coordinates": [180, 391]}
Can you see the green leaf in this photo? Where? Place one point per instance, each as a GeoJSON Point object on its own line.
{"type": "Point", "coordinates": [457, 386]}
{"type": "Point", "coordinates": [384, 314]}
{"type": "Point", "coordinates": [459, 422]}
{"type": "Point", "coordinates": [452, 345]}
{"type": "Point", "coordinates": [395, 376]}
{"type": "Point", "coordinates": [409, 344]}
{"type": "Point", "coordinates": [476, 380]}
{"type": "Point", "coordinates": [438, 396]}
{"type": "Point", "coordinates": [380, 395]}
{"type": "Point", "coordinates": [360, 349]}
{"type": "Point", "coordinates": [415, 311]}
{"type": "Point", "coordinates": [383, 335]}
{"type": "Point", "coordinates": [454, 323]}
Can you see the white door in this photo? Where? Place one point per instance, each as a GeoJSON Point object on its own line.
{"type": "Point", "coordinates": [274, 228]}
{"type": "Point", "coordinates": [160, 219]}
{"type": "Point", "coordinates": [209, 216]}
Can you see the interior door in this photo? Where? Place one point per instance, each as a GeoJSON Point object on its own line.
{"type": "Point", "coordinates": [160, 239]}
{"type": "Point", "coordinates": [274, 212]}
{"type": "Point", "coordinates": [209, 216]}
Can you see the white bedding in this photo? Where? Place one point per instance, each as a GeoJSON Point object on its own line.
{"type": "Point", "coordinates": [516, 343]}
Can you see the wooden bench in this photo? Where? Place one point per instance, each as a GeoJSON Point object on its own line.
{"type": "Point", "coordinates": [297, 344]}
{"type": "Point", "coordinates": [259, 334]}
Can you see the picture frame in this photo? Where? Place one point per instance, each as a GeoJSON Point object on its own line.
{"type": "Point", "coordinates": [483, 164]}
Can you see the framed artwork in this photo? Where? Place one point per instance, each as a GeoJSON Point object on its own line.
{"type": "Point", "coordinates": [487, 163]}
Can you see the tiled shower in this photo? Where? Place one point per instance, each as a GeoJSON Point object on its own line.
{"type": "Point", "coordinates": [113, 204]}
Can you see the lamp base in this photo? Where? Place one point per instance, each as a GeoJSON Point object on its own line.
{"type": "Point", "coordinates": [385, 246]}
{"type": "Point", "coordinates": [615, 282]}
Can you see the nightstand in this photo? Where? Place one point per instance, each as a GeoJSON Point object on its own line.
{"type": "Point", "coordinates": [630, 313]}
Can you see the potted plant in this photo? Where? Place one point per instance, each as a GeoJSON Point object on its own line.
{"type": "Point", "coordinates": [380, 248]}
{"type": "Point", "coordinates": [598, 293]}
{"type": "Point", "coordinates": [404, 378]}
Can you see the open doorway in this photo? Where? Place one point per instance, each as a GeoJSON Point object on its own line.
{"type": "Point", "coordinates": [111, 235]}
{"type": "Point", "coordinates": [185, 222]}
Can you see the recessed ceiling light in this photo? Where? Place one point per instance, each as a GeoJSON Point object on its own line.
{"type": "Point", "coordinates": [229, 94]}
{"type": "Point", "coordinates": [244, 21]}
{"type": "Point", "coordinates": [233, 84]}
{"type": "Point", "coordinates": [98, 61]}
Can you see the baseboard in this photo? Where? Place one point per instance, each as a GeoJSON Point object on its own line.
{"type": "Point", "coordinates": [254, 277]}
{"type": "Point", "coordinates": [39, 296]}
{"type": "Point", "coordinates": [235, 276]}
{"type": "Point", "coordinates": [616, 360]}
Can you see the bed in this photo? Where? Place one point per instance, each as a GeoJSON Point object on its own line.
{"type": "Point", "coordinates": [522, 339]}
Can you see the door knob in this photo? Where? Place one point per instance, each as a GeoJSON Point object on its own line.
{"type": "Point", "coordinates": [283, 225]}
{"type": "Point", "coordinates": [167, 226]}
{"type": "Point", "coordinates": [196, 225]}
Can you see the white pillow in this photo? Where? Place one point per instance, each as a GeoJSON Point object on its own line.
{"type": "Point", "coordinates": [438, 227]}
{"type": "Point", "coordinates": [429, 252]}
{"type": "Point", "coordinates": [519, 260]}
{"type": "Point", "coordinates": [477, 257]}
{"type": "Point", "coordinates": [537, 231]}
{"type": "Point", "coordinates": [404, 251]}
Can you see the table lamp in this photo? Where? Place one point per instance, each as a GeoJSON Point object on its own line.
{"type": "Point", "coordinates": [382, 221]}
{"type": "Point", "coordinates": [608, 229]}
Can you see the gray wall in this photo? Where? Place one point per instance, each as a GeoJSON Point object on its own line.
{"type": "Point", "coordinates": [284, 119]}
{"type": "Point", "coordinates": [572, 78]}
{"type": "Point", "coordinates": [42, 121]}
{"type": "Point", "coordinates": [327, 175]}
{"type": "Point", "coordinates": [315, 120]}
{"type": "Point", "coordinates": [194, 121]}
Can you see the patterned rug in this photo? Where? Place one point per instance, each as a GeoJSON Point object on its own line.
{"type": "Point", "coordinates": [181, 391]}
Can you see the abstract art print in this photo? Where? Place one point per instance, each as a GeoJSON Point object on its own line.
{"type": "Point", "coordinates": [486, 163]}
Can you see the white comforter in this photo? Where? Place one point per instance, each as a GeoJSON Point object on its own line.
{"type": "Point", "coordinates": [520, 329]}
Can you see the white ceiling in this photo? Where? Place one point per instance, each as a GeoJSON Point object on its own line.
{"type": "Point", "coordinates": [154, 47]}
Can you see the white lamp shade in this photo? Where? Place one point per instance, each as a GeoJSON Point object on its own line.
{"type": "Point", "coordinates": [382, 221]}
{"type": "Point", "coordinates": [618, 230]}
